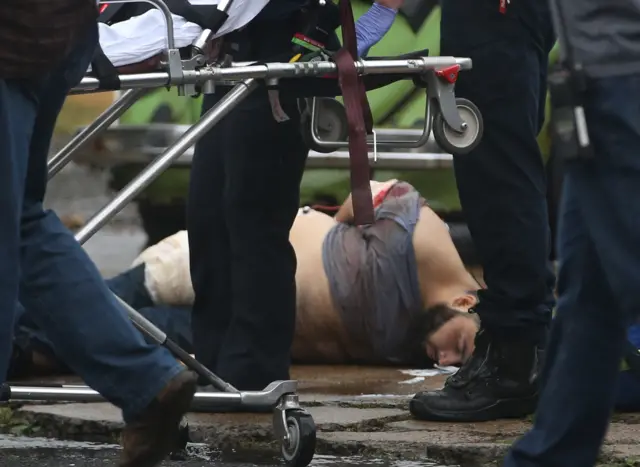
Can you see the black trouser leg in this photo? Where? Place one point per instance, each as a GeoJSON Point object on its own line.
{"type": "Point", "coordinates": [502, 189]}
{"type": "Point", "coordinates": [502, 183]}
{"type": "Point", "coordinates": [264, 173]}
{"type": "Point", "coordinates": [597, 282]}
{"type": "Point", "coordinates": [244, 197]}
{"type": "Point", "coordinates": [209, 242]}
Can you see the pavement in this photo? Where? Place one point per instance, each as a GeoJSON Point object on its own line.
{"type": "Point", "coordinates": [359, 411]}
{"type": "Point", "coordinates": [27, 452]}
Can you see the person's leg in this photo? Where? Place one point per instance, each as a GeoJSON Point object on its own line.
{"type": "Point", "coordinates": [209, 243]}
{"type": "Point", "coordinates": [174, 321]}
{"type": "Point", "coordinates": [265, 169]}
{"type": "Point", "coordinates": [628, 393]}
{"type": "Point", "coordinates": [264, 165]}
{"type": "Point", "coordinates": [64, 293]}
{"type": "Point", "coordinates": [584, 341]}
{"type": "Point", "coordinates": [209, 250]}
{"type": "Point", "coordinates": [243, 200]}
{"type": "Point", "coordinates": [18, 109]}
{"type": "Point", "coordinates": [129, 286]}
{"type": "Point", "coordinates": [502, 192]}
{"type": "Point", "coordinates": [32, 353]}
{"type": "Point", "coordinates": [599, 259]}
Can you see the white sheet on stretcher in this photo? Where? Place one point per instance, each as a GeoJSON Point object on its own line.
{"type": "Point", "coordinates": [142, 37]}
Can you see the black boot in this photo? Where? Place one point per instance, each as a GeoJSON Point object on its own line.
{"type": "Point", "coordinates": [498, 381]}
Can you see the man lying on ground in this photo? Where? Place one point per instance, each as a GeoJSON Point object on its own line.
{"type": "Point", "coordinates": [389, 293]}
{"type": "Point", "coordinates": [395, 292]}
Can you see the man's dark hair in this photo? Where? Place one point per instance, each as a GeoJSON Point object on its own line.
{"type": "Point", "coordinates": [423, 325]}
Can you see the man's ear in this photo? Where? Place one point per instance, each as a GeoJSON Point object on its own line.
{"type": "Point", "coordinates": [465, 301]}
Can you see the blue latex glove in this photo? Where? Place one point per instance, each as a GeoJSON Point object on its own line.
{"type": "Point", "coordinates": [372, 26]}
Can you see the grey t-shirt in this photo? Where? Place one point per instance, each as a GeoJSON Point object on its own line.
{"type": "Point", "coordinates": [373, 277]}
{"type": "Point", "coordinates": [604, 35]}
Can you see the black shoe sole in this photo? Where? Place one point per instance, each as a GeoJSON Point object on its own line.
{"type": "Point", "coordinates": [502, 408]}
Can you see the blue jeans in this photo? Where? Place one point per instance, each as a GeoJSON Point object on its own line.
{"type": "Point", "coordinates": [597, 283]}
{"type": "Point", "coordinates": [175, 321]}
{"type": "Point", "coordinates": [129, 286]}
{"type": "Point", "coordinates": [47, 271]}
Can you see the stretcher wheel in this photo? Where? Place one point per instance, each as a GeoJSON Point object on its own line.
{"type": "Point", "coordinates": [332, 124]}
{"type": "Point", "coordinates": [298, 451]}
{"type": "Point", "coordinates": [452, 141]}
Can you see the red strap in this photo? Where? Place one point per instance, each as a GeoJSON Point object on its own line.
{"type": "Point", "coordinates": [103, 7]}
{"type": "Point", "coordinates": [350, 42]}
{"type": "Point", "coordinates": [359, 118]}
{"type": "Point", "coordinates": [358, 149]}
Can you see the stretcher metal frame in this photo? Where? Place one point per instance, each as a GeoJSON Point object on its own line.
{"type": "Point", "coordinates": [140, 144]}
{"type": "Point", "coordinates": [293, 426]}
{"type": "Point", "coordinates": [423, 66]}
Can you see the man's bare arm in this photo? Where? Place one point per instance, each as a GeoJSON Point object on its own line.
{"type": "Point", "coordinates": [345, 213]}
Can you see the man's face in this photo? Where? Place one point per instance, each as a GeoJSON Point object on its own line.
{"type": "Point", "coordinates": [453, 343]}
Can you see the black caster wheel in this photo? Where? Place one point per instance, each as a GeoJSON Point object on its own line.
{"type": "Point", "coordinates": [459, 143]}
{"type": "Point", "coordinates": [298, 451]}
{"type": "Point", "coordinates": [332, 124]}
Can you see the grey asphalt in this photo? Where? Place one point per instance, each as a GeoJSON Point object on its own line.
{"type": "Point", "coordinates": [19, 451]}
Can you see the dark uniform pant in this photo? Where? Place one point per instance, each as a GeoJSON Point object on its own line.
{"type": "Point", "coordinates": [243, 198]}
{"type": "Point", "coordinates": [597, 285]}
{"type": "Point", "coordinates": [502, 183]}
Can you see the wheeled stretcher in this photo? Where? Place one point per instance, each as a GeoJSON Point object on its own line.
{"type": "Point", "coordinates": [327, 126]}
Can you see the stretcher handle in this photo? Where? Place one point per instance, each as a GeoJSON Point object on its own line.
{"type": "Point", "coordinates": [207, 34]}
{"type": "Point", "coordinates": [224, 6]}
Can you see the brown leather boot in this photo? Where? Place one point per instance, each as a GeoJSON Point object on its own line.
{"type": "Point", "coordinates": [147, 440]}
